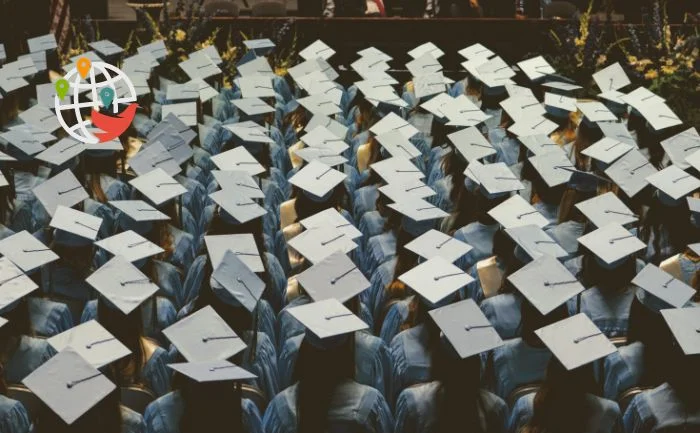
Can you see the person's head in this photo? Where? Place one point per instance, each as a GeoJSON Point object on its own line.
{"type": "Point", "coordinates": [94, 164]}
{"type": "Point", "coordinates": [567, 205]}
{"type": "Point", "coordinates": [682, 375]}
{"type": "Point", "coordinates": [531, 320]}
{"type": "Point", "coordinates": [127, 328]}
{"type": "Point", "coordinates": [648, 327]}
{"type": "Point", "coordinates": [668, 222]}
{"type": "Point", "coordinates": [207, 406]}
{"type": "Point", "coordinates": [483, 204]}
{"type": "Point", "coordinates": [504, 250]}
{"type": "Point", "coordinates": [594, 273]}
{"type": "Point", "coordinates": [18, 324]}
{"type": "Point", "coordinates": [7, 197]}
{"type": "Point", "coordinates": [306, 205]}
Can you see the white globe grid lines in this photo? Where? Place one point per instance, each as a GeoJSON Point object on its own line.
{"type": "Point", "coordinates": [80, 131]}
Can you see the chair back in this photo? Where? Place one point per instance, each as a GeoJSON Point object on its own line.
{"type": "Point", "coordinates": [255, 395]}
{"type": "Point", "coordinates": [269, 9]}
{"type": "Point", "coordinates": [522, 391]}
{"type": "Point", "coordinates": [222, 9]}
{"type": "Point", "coordinates": [561, 9]}
{"type": "Point", "coordinates": [626, 396]}
{"type": "Point", "coordinates": [136, 397]}
{"type": "Point", "coordinates": [32, 404]}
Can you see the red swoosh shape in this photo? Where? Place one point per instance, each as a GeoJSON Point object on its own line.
{"type": "Point", "coordinates": [113, 126]}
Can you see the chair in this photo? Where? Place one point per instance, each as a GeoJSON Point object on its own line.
{"type": "Point", "coordinates": [255, 395]}
{"type": "Point", "coordinates": [29, 400]}
{"type": "Point", "coordinates": [136, 397]}
{"type": "Point", "coordinates": [619, 341]}
{"type": "Point", "coordinates": [561, 9]}
{"type": "Point", "coordinates": [522, 391]}
{"type": "Point", "coordinates": [222, 9]}
{"type": "Point", "coordinates": [269, 9]}
{"type": "Point", "coordinates": [626, 396]}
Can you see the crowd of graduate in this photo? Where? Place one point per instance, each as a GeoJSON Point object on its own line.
{"type": "Point", "coordinates": [494, 254]}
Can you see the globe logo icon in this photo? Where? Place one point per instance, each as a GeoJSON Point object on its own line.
{"type": "Point", "coordinates": [86, 80]}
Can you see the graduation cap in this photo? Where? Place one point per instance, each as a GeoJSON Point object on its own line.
{"type": "Point", "coordinates": [397, 170]}
{"type": "Point", "coordinates": [554, 167]}
{"type": "Point", "coordinates": [417, 210]}
{"type": "Point", "coordinates": [561, 86]}
{"type": "Point", "coordinates": [182, 92]}
{"type": "Point", "coordinates": [175, 145]}
{"type": "Point", "coordinates": [158, 186]}
{"type": "Point", "coordinates": [42, 43]}
{"type": "Point", "coordinates": [155, 155]}
{"type": "Point", "coordinates": [74, 227]}
{"type": "Point", "coordinates": [331, 218]}
{"type": "Point", "coordinates": [320, 104]}
{"type": "Point", "coordinates": [392, 122]}
{"type": "Point", "coordinates": [397, 145]}
{"type": "Point", "coordinates": [69, 385]}
{"type": "Point", "coordinates": [317, 179]}
{"type": "Point", "coordinates": [14, 284]}
{"type": "Point", "coordinates": [606, 209]}
{"type": "Point", "coordinates": [40, 118]}
{"type": "Point", "coordinates": [137, 215]}
{"type": "Point", "coordinates": [531, 124]}
{"type": "Point", "coordinates": [536, 68]}
{"type": "Point", "coordinates": [407, 189]}
{"type": "Point", "coordinates": [471, 144]}
{"type": "Point", "coordinates": [516, 212]}
{"type": "Point", "coordinates": [237, 209]}
{"type": "Point", "coordinates": [630, 172]}
{"type": "Point", "coordinates": [61, 152]}
{"type": "Point", "coordinates": [256, 86]}
{"type": "Point", "coordinates": [323, 138]}
{"type": "Point", "coordinates": [259, 46]}
{"type": "Point", "coordinates": [559, 105]}
{"type": "Point", "coordinates": [255, 66]}
{"type": "Point", "coordinates": [236, 283]}
{"type": "Point", "coordinates": [534, 242]}
{"type": "Point", "coordinates": [106, 47]}
{"type": "Point", "coordinates": [204, 336]}
{"type": "Point", "coordinates": [242, 245]}
{"type": "Point", "coordinates": [429, 48]}
{"type": "Point", "coordinates": [611, 244]}
{"type": "Point", "coordinates": [546, 283]}
{"type": "Point", "coordinates": [212, 371]}
{"type": "Point", "coordinates": [238, 158]}
{"type": "Point", "coordinates": [238, 183]}
{"type": "Point", "coordinates": [434, 243]}
{"type": "Point", "coordinates": [476, 51]}
{"type": "Point", "coordinates": [641, 96]}
{"type": "Point", "coordinates": [64, 189]}
{"type": "Point", "coordinates": [497, 180]}
{"type": "Point", "coordinates": [335, 127]}
{"type": "Point", "coordinates": [26, 251]}
{"type": "Point", "coordinates": [435, 279]}
{"type": "Point", "coordinates": [538, 144]}
{"type": "Point", "coordinates": [324, 156]}
{"type": "Point", "coordinates": [317, 49]}
{"type": "Point", "coordinates": [436, 104]}
{"type": "Point", "coordinates": [200, 66]}
{"type": "Point", "coordinates": [92, 342]}
{"type": "Point", "coordinates": [334, 277]}
{"type": "Point", "coordinates": [186, 112]}
{"type": "Point", "coordinates": [611, 78]}
{"type": "Point", "coordinates": [684, 324]}
{"type": "Point", "coordinates": [594, 111]}
{"type": "Point", "coordinates": [326, 319]}
{"type": "Point", "coordinates": [122, 284]}
{"type": "Point", "coordinates": [659, 115]}
{"type": "Point", "coordinates": [683, 148]}
{"type": "Point", "coordinates": [576, 341]}
{"type": "Point", "coordinates": [466, 328]}
{"type": "Point", "coordinates": [607, 150]}
{"type": "Point", "coordinates": [660, 289]}
{"type": "Point", "coordinates": [157, 49]}
{"type": "Point", "coordinates": [674, 182]}
{"type": "Point", "coordinates": [318, 243]}
{"type": "Point", "coordinates": [129, 245]}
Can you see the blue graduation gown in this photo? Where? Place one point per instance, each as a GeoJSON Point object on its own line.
{"type": "Point", "coordinates": [13, 416]}
{"type": "Point", "coordinates": [503, 312]}
{"type": "Point", "coordinates": [27, 357]}
{"type": "Point", "coordinates": [479, 236]}
{"type": "Point", "coordinates": [516, 364]}
{"type": "Point", "coordinates": [623, 370]}
{"type": "Point", "coordinates": [605, 414]}
{"type": "Point", "coordinates": [609, 310]}
{"type": "Point", "coordinates": [49, 318]}
{"type": "Point", "coordinates": [410, 360]}
{"type": "Point", "coordinates": [657, 409]}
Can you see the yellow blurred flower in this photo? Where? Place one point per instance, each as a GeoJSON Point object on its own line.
{"type": "Point", "coordinates": [669, 62]}
{"type": "Point", "coordinates": [180, 35]}
{"type": "Point", "coordinates": [651, 74]}
{"type": "Point", "coordinates": [645, 62]}
{"type": "Point", "coordinates": [632, 60]}
{"type": "Point", "coordinates": [669, 70]}
{"type": "Point", "coordinates": [579, 42]}
{"type": "Point", "coordinates": [601, 60]}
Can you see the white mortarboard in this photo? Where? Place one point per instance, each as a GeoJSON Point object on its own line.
{"type": "Point", "coordinates": [212, 371]}
{"type": "Point", "coordinates": [259, 66]}
{"type": "Point", "coordinates": [69, 385]}
{"type": "Point", "coordinates": [436, 104]}
{"type": "Point", "coordinates": [474, 51]}
{"type": "Point", "coordinates": [130, 245]}
{"type": "Point", "coordinates": [535, 242]}
{"type": "Point", "coordinates": [172, 120]}
{"type": "Point", "coordinates": [158, 186]}
{"type": "Point", "coordinates": [429, 84]}
{"type": "Point", "coordinates": [46, 95]}
{"type": "Point", "coordinates": [335, 277]}
{"type": "Point", "coordinates": [61, 151]}
{"type": "Point", "coordinates": [427, 47]}
{"type": "Point", "coordinates": [371, 65]}
{"type": "Point", "coordinates": [174, 143]}
{"type": "Point", "coordinates": [605, 209]}
{"type": "Point", "coordinates": [664, 286]}
{"type": "Point", "coordinates": [322, 155]}
{"type": "Point", "coordinates": [64, 189]}
{"type": "Point", "coordinates": [22, 67]}
{"type": "Point", "coordinates": [185, 111]}
{"type": "Point", "coordinates": [3, 54]}
{"type": "Point", "coordinates": [392, 122]}
{"type": "Point", "coordinates": [435, 279]}
{"type": "Point", "coordinates": [536, 68]}
{"type": "Point", "coordinates": [434, 243]}
{"type": "Point", "coordinates": [238, 183]}
{"type": "Point", "coordinates": [397, 145]}
{"type": "Point", "coordinates": [684, 323]}
{"type": "Point", "coordinates": [374, 52]}
{"type": "Point", "coordinates": [533, 125]}
{"type": "Point", "coordinates": [92, 342]}
{"type": "Point", "coordinates": [595, 111]}
{"type": "Point", "coordinates": [466, 327]}
{"type": "Point", "coordinates": [498, 179]}
{"type": "Point", "coordinates": [318, 243]}
{"type": "Point", "coordinates": [14, 284]}
{"type": "Point", "coordinates": [611, 78]}
{"type": "Point", "coordinates": [694, 160]}
{"type": "Point", "coordinates": [320, 104]}
{"type": "Point", "coordinates": [204, 336]}
{"type": "Point", "coordinates": [563, 86]}
{"type": "Point", "coordinates": [611, 243]}
{"type": "Point", "coordinates": [10, 80]}
{"type": "Point", "coordinates": [139, 210]}
{"type": "Point", "coordinates": [41, 118]}
{"type": "Point", "coordinates": [607, 150]}
{"type": "Point", "coordinates": [182, 92]}
{"type": "Point", "coordinates": [630, 172]}
{"type": "Point", "coordinates": [560, 102]}
{"type": "Point", "coordinates": [317, 178]}
{"type": "Point", "coordinates": [259, 44]}
{"type": "Point", "coordinates": [423, 65]}
{"type": "Point", "coordinates": [26, 251]}
{"type": "Point", "coordinates": [23, 141]}
{"type": "Point", "coordinates": [317, 49]}
{"type": "Point", "coordinates": [516, 212]}
{"type": "Point", "coordinates": [615, 97]}
{"type": "Point", "coordinates": [206, 92]}
{"type": "Point", "coordinates": [238, 158]}
{"type": "Point", "coordinates": [408, 188]}
{"type": "Point", "coordinates": [417, 209]}
{"type": "Point", "coordinates": [157, 49]}
{"type": "Point", "coordinates": [553, 167]}
{"type": "Point", "coordinates": [659, 115]}
{"type": "Point", "coordinates": [256, 86]}
{"type": "Point", "coordinates": [239, 280]}
{"type": "Point", "coordinates": [200, 66]}
{"type": "Point", "coordinates": [327, 318]}
{"type": "Point", "coordinates": [78, 223]}
{"type": "Point", "coordinates": [37, 134]}
{"type": "Point", "coordinates": [242, 245]}
{"type": "Point", "coordinates": [122, 283]}
{"type": "Point", "coordinates": [471, 143]}
{"type": "Point", "coordinates": [250, 132]}
{"type": "Point", "coordinates": [331, 218]}
{"type": "Point", "coordinates": [153, 156]}
{"type": "Point", "coordinates": [523, 107]}
{"type": "Point", "coordinates": [397, 170]}
{"type": "Point", "coordinates": [321, 137]}
{"type": "Point", "coordinates": [38, 58]}
{"type": "Point", "coordinates": [106, 47]}
{"type": "Point", "coordinates": [42, 43]}
{"type": "Point", "coordinates": [546, 283]}
{"type": "Point", "coordinates": [576, 341]}
{"type": "Point", "coordinates": [240, 208]}
{"type": "Point", "coordinates": [337, 128]}
{"type": "Point", "coordinates": [674, 182]}
{"type": "Point", "coordinates": [641, 96]}
{"type": "Point", "coordinates": [681, 146]}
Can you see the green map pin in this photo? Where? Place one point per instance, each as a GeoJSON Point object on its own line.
{"type": "Point", "coordinates": [106, 95]}
{"type": "Point", "coordinates": [62, 88]}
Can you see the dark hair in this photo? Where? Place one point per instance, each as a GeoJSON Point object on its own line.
{"type": "Point", "coordinates": [128, 329]}
{"type": "Point", "coordinates": [318, 372]}
{"type": "Point", "coordinates": [593, 274]}
{"type": "Point", "coordinates": [673, 221]}
{"type": "Point", "coordinates": [649, 328]}
{"type": "Point", "coordinates": [306, 207]}
{"type": "Point", "coordinates": [560, 403]}
{"type": "Point", "coordinates": [18, 324]}
{"type": "Point", "coordinates": [90, 169]}
{"type": "Point", "coordinates": [531, 320]}
{"type": "Point", "coordinates": [504, 250]}
{"type": "Point", "coordinates": [7, 197]}
{"type": "Point", "coordinates": [682, 376]}
{"type": "Point", "coordinates": [463, 209]}
{"type": "Point", "coordinates": [209, 406]}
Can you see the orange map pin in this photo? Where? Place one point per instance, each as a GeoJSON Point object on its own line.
{"type": "Point", "coordinates": [84, 65]}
